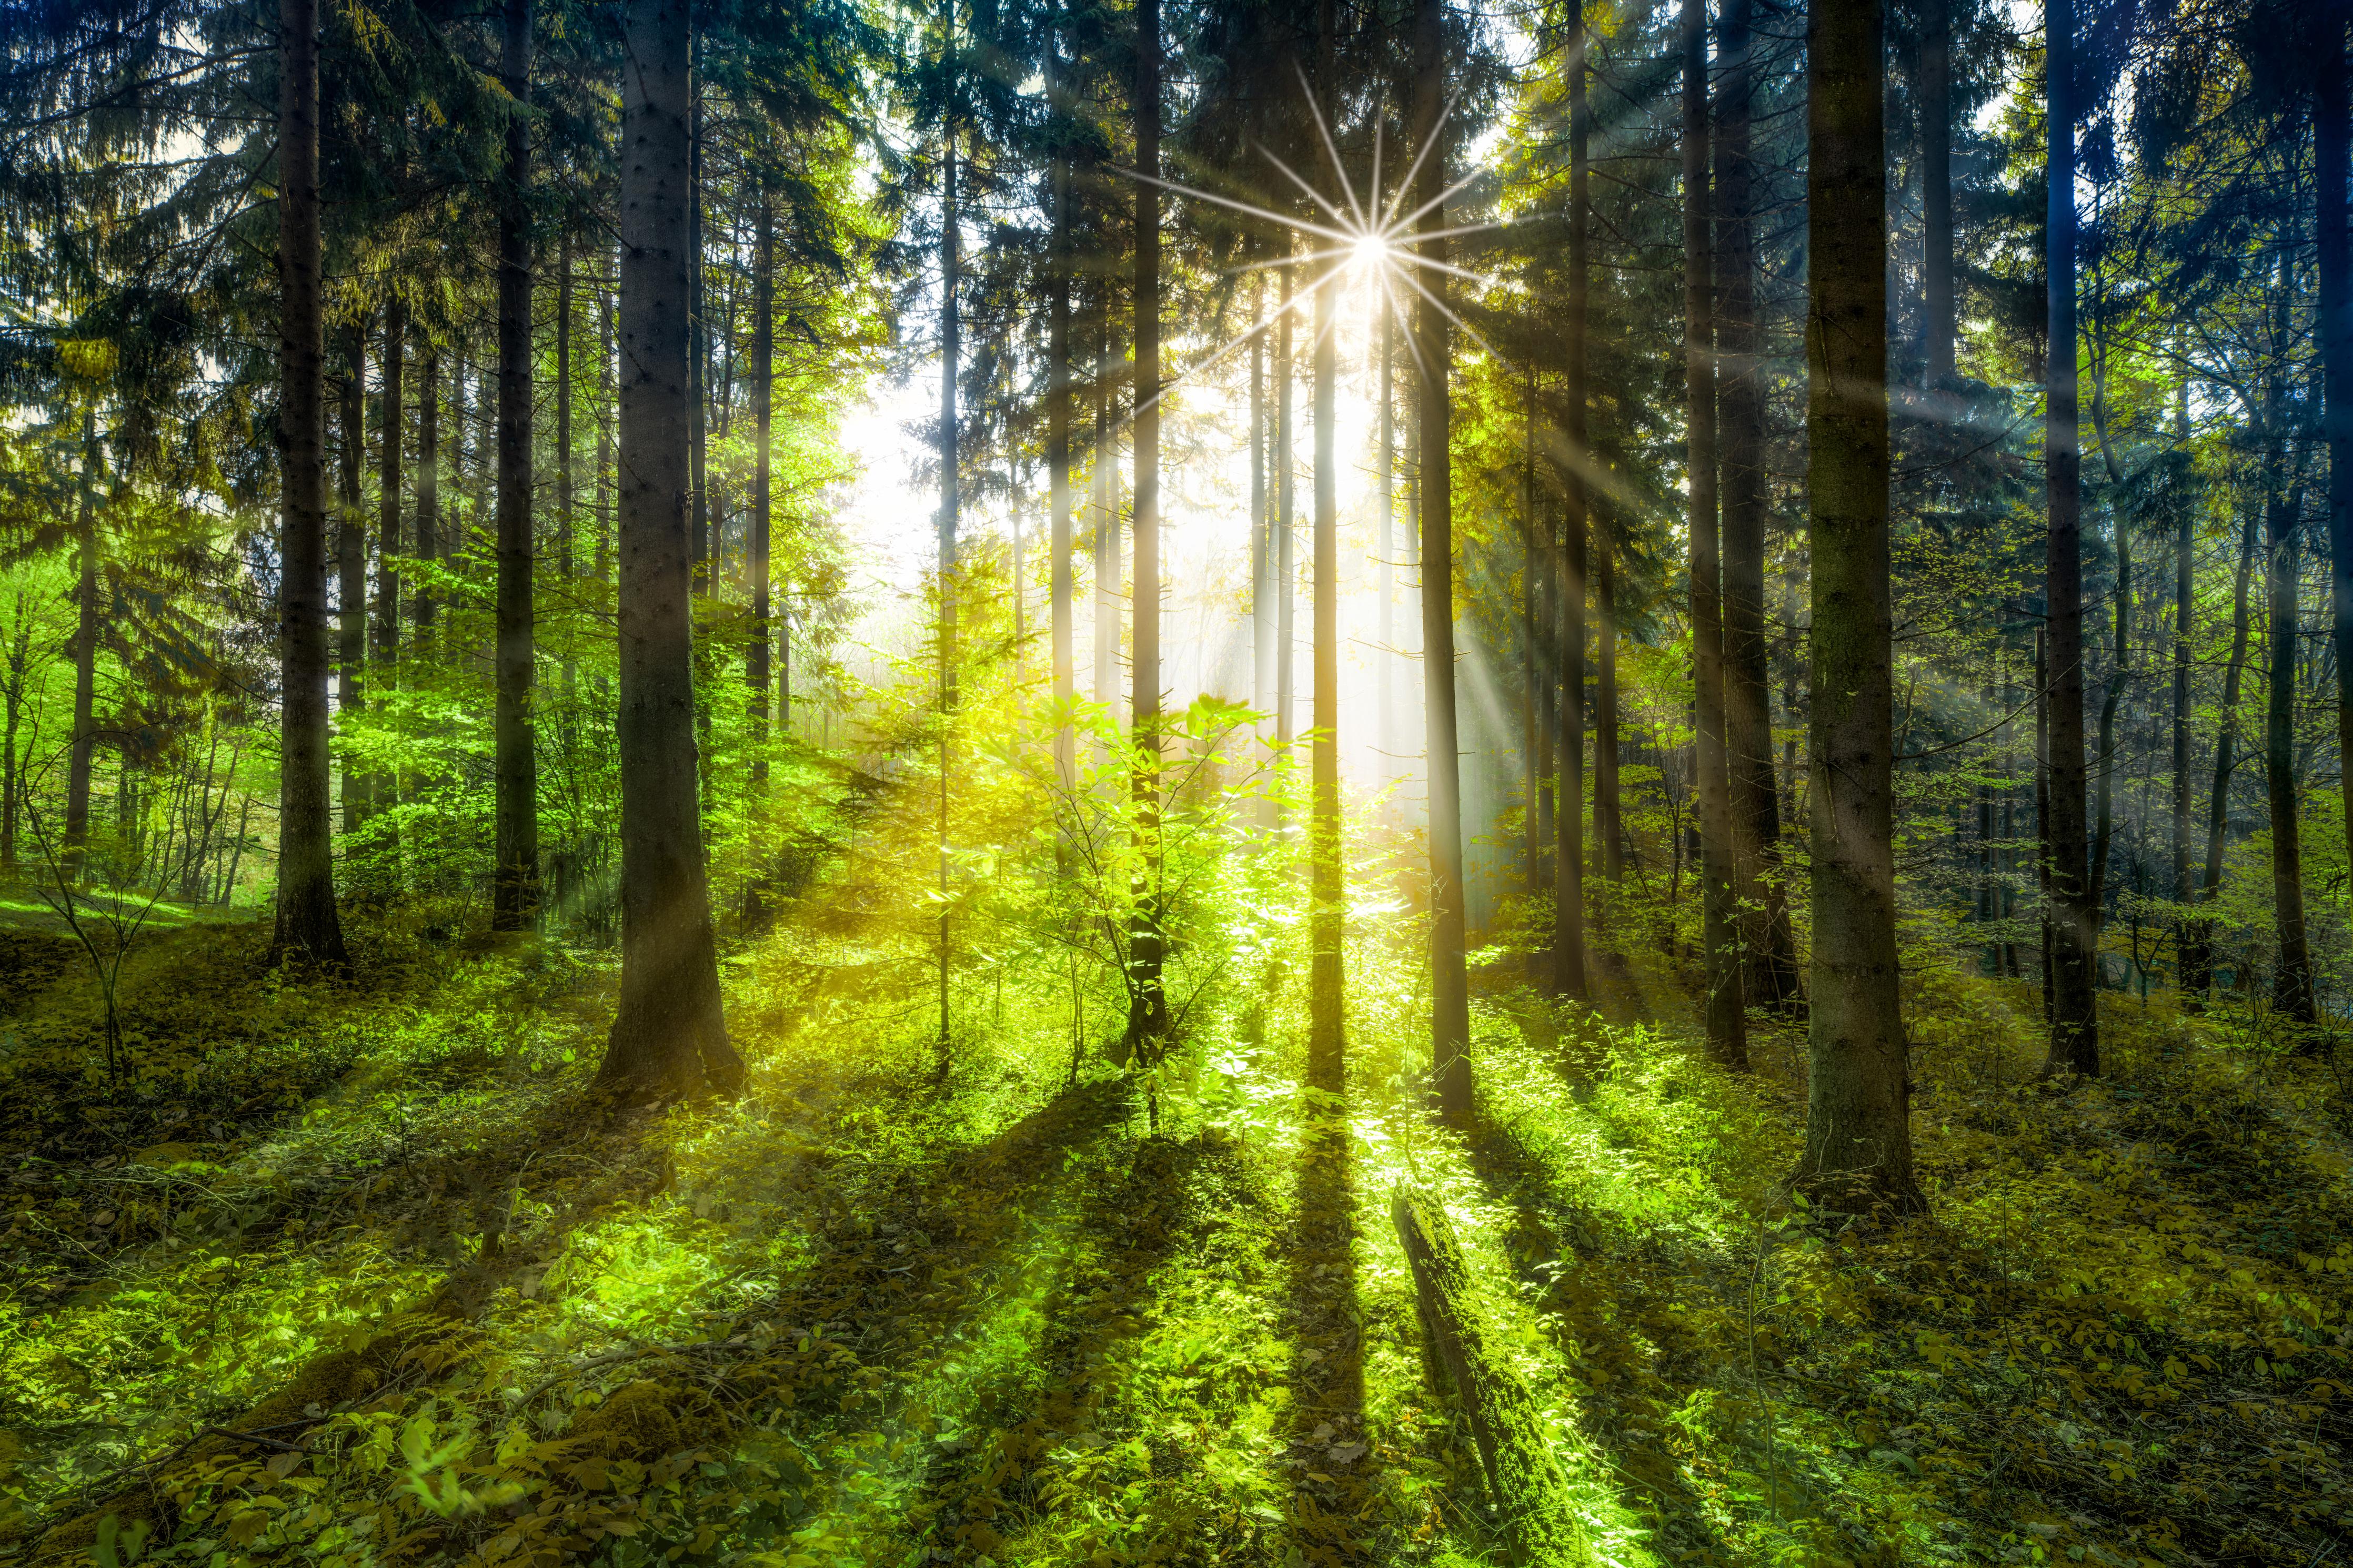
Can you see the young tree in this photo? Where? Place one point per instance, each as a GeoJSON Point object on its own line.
{"type": "Point", "coordinates": [309, 927]}
{"type": "Point", "coordinates": [1148, 1024]}
{"type": "Point", "coordinates": [1858, 1152]}
{"type": "Point", "coordinates": [670, 1033]}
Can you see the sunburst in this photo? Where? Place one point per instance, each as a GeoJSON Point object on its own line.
{"type": "Point", "coordinates": [1356, 236]}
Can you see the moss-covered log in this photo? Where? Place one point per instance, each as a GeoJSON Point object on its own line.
{"type": "Point", "coordinates": [1523, 1478]}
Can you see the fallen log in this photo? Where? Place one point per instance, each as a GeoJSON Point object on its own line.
{"type": "Point", "coordinates": [1523, 1478]}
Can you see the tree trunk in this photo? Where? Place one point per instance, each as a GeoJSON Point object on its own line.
{"type": "Point", "coordinates": [391, 417]}
{"type": "Point", "coordinates": [1858, 1151]}
{"type": "Point", "coordinates": [1325, 1041]}
{"type": "Point", "coordinates": [1057, 444]}
{"type": "Point", "coordinates": [351, 552]}
{"type": "Point", "coordinates": [1569, 743]}
{"type": "Point", "coordinates": [567, 545]}
{"type": "Point", "coordinates": [1385, 545]}
{"type": "Point", "coordinates": [1286, 566]}
{"type": "Point", "coordinates": [2335, 247]}
{"type": "Point", "coordinates": [606, 403]}
{"type": "Point", "coordinates": [1148, 1023]}
{"type": "Point", "coordinates": [2075, 1019]}
{"type": "Point", "coordinates": [1523, 1479]}
{"type": "Point", "coordinates": [668, 1031]}
{"type": "Point", "coordinates": [1767, 950]}
{"type": "Point", "coordinates": [428, 487]}
{"type": "Point", "coordinates": [1104, 464]}
{"type": "Point", "coordinates": [1449, 1035]}
{"type": "Point", "coordinates": [763, 370]}
{"type": "Point", "coordinates": [2104, 817]}
{"type": "Point", "coordinates": [951, 458]}
{"type": "Point", "coordinates": [1719, 910]}
{"type": "Point", "coordinates": [2292, 974]}
{"type": "Point", "coordinates": [1608, 832]}
{"type": "Point", "coordinates": [2045, 921]}
{"type": "Point", "coordinates": [514, 891]}
{"type": "Point", "coordinates": [1262, 523]}
{"type": "Point", "coordinates": [1936, 190]}
{"type": "Point", "coordinates": [308, 927]}
{"type": "Point", "coordinates": [2187, 941]}
{"type": "Point", "coordinates": [85, 652]}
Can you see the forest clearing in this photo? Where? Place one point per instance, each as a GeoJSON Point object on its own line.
{"type": "Point", "coordinates": [837, 784]}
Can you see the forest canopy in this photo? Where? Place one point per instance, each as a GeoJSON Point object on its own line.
{"type": "Point", "coordinates": [825, 783]}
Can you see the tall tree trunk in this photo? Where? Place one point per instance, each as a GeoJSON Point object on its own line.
{"type": "Point", "coordinates": [668, 1032]}
{"type": "Point", "coordinates": [2332, 134]}
{"type": "Point", "coordinates": [2292, 973]}
{"type": "Point", "coordinates": [566, 542]}
{"type": "Point", "coordinates": [1609, 830]}
{"type": "Point", "coordinates": [1286, 567]}
{"type": "Point", "coordinates": [1568, 746]}
{"type": "Point", "coordinates": [308, 927]}
{"type": "Point", "coordinates": [1450, 1034]}
{"type": "Point", "coordinates": [1262, 523]}
{"type": "Point", "coordinates": [1058, 441]}
{"type": "Point", "coordinates": [1384, 544]}
{"type": "Point", "coordinates": [1719, 909]}
{"type": "Point", "coordinates": [428, 487]}
{"type": "Point", "coordinates": [2046, 922]}
{"type": "Point", "coordinates": [606, 404]}
{"type": "Point", "coordinates": [1326, 1047]}
{"type": "Point", "coordinates": [2188, 937]}
{"type": "Point", "coordinates": [1535, 717]}
{"type": "Point", "coordinates": [763, 370]}
{"type": "Point", "coordinates": [1767, 950]}
{"type": "Point", "coordinates": [85, 653]}
{"type": "Point", "coordinates": [1858, 1151]}
{"type": "Point", "coordinates": [1104, 464]}
{"type": "Point", "coordinates": [515, 889]}
{"type": "Point", "coordinates": [351, 553]}
{"type": "Point", "coordinates": [2104, 816]}
{"type": "Point", "coordinates": [392, 415]}
{"type": "Point", "coordinates": [2075, 1019]}
{"type": "Point", "coordinates": [951, 458]}
{"type": "Point", "coordinates": [1936, 190]}
{"type": "Point", "coordinates": [20, 649]}
{"type": "Point", "coordinates": [698, 331]}
{"type": "Point", "coordinates": [1148, 1023]}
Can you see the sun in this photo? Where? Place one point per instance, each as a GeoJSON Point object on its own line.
{"type": "Point", "coordinates": [1370, 251]}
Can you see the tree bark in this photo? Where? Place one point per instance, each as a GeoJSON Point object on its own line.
{"type": "Point", "coordinates": [764, 369]}
{"type": "Point", "coordinates": [1148, 1024]}
{"type": "Point", "coordinates": [84, 654]}
{"type": "Point", "coordinates": [308, 927]}
{"type": "Point", "coordinates": [2187, 937]}
{"type": "Point", "coordinates": [1936, 190]}
{"type": "Point", "coordinates": [1286, 533]}
{"type": "Point", "coordinates": [2292, 973]}
{"type": "Point", "coordinates": [1262, 523]}
{"type": "Point", "coordinates": [668, 1032]}
{"type": "Point", "coordinates": [1057, 438]}
{"type": "Point", "coordinates": [1719, 909]}
{"type": "Point", "coordinates": [1608, 832]}
{"type": "Point", "coordinates": [1325, 1041]}
{"type": "Point", "coordinates": [1858, 1152]}
{"type": "Point", "coordinates": [2332, 135]}
{"type": "Point", "coordinates": [1767, 950]}
{"type": "Point", "coordinates": [2075, 1019]}
{"type": "Point", "coordinates": [1450, 1034]}
{"type": "Point", "coordinates": [515, 889]}
{"type": "Point", "coordinates": [351, 551]}
{"type": "Point", "coordinates": [1568, 745]}
{"type": "Point", "coordinates": [422, 607]}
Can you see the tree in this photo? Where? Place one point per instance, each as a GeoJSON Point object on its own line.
{"type": "Point", "coordinates": [1568, 747]}
{"type": "Point", "coordinates": [1148, 1024]}
{"type": "Point", "coordinates": [309, 927]}
{"type": "Point", "coordinates": [2075, 1019]}
{"type": "Point", "coordinates": [1858, 1151]}
{"type": "Point", "coordinates": [1719, 930]}
{"type": "Point", "coordinates": [1326, 1037]}
{"type": "Point", "coordinates": [1450, 1032]}
{"type": "Point", "coordinates": [514, 884]}
{"type": "Point", "coordinates": [669, 1032]}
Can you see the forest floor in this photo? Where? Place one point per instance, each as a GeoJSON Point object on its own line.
{"type": "Point", "coordinates": [362, 1275]}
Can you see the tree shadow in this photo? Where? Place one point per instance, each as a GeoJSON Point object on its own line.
{"type": "Point", "coordinates": [1330, 1451]}
{"type": "Point", "coordinates": [1631, 1380]}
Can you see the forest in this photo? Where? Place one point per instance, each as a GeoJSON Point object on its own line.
{"type": "Point", "coordinates": [1053, 783]}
